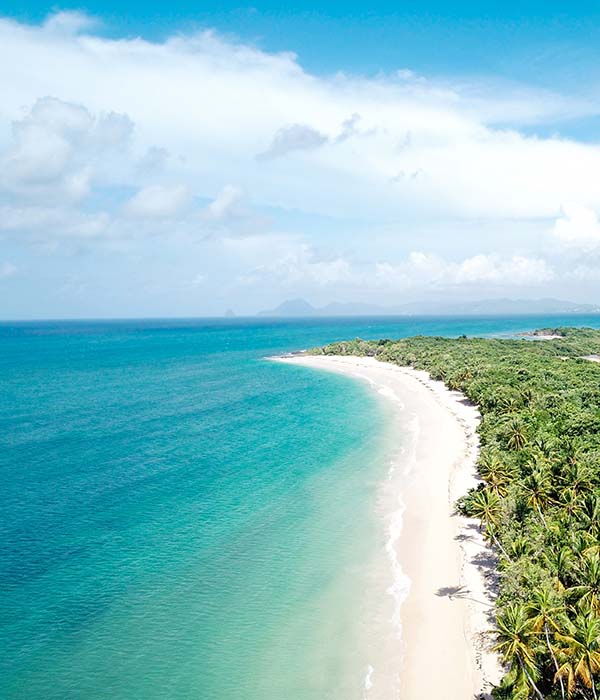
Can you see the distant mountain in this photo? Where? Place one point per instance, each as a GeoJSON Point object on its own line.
{"type": "Point", "coordinates": [292, 307]}
{"type": "Point", "coordinates": [493, 307]}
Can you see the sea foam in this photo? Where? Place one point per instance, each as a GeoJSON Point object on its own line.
{"type": "Point", "coordinates": [400, 586]}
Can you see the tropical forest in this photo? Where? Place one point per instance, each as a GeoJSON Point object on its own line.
{"type": "Point", "coordinates": [538, 501]}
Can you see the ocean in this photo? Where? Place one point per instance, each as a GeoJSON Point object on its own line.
{"type": "Point", "coordinates": [183, 518]}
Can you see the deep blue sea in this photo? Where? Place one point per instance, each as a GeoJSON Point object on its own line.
{"type": "Point", "coordinates": [181, 518]}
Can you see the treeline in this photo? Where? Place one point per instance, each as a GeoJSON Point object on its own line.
{"type": "Point", "coordinates": [539, 499]}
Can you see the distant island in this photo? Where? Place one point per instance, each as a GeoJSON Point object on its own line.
{"type": "Point", "coordinates": [298, 308]}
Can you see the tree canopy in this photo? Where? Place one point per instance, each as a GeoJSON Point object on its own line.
{"type": "Point", "coordinates": [539, 498]}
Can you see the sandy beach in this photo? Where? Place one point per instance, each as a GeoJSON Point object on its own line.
{"type": "Point", "coordinates": [447, 612]}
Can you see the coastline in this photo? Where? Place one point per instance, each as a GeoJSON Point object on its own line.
{"type": "Point", "coordinates": [447, 611]}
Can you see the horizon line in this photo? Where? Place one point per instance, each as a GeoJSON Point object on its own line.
{"type": "Point", "coordinates": [300, 317]}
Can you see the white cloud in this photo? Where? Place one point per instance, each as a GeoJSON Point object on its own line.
{"type": "Point", "coordinates": [354, 170]}
{"type": "Point", "coordinates": [578, 227]}
{"type": "Point", "coordinates": [57, 148]}
{"type": "Point", "coordinates": [517, 270]}
{"type": "Point", "coordinates": [585, 273]}
{"type": "Point", "coordinates": [69, 22]}
{"type": "Point", "coordinates": [297, 137]}
{"type": "Point", "coordinates": [426, 269]}
{"type": "Point", "coordinates": [225, 204]}
{"type": "Point", "coordinates": [469, 168]}
{"type": "Point", "coordinates": [301, 137]}
{"type": "Point", "coordinates": [47, 222]}
{"type": "Point", "coordinates": [158, 202]}
{"type": "Point", "coordinates": [153, 161]}
{"type": "Point", "coordinates": [295, 264]}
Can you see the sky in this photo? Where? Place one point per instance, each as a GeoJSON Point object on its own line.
{"type": "Point", "coordinates": [184, 160]}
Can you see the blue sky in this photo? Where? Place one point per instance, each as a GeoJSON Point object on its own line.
{"type": "Point", "coordinates": [183, 159]}
{"type": "Point", "coordinates": [537, 41]}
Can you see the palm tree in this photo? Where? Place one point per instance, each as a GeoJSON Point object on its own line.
{"type": "Point", "coordinates": [516, 434]}
{"type": "Point", "coordinates": [486, 505]}
{"type": "Point", "coordinates": [545, 444]}
{"type": "Point", "coordinates": [587, 592]}
{"type": "Point", "coordinates": [538, 488]}
{"type": "Point", "coordinates": [589, 515]}
{"type": "Point", "coordinates": [578, 475]}
{"type": "Point", "coordinates": [570, 504]}
{"type": "Point", "coordinates": [581, 652]}
{"type": "Point", "coordinates": [496, 472]}
{"type": "Point", "coordinates": [571, 449]}
{"type": "Point", "coordinates": [509, 403]}
{"type": "Point", "coordinates": [516, 644]}
{"type": "Point", "coordinates": [527, 395]}
{"type": "Point", "coordinates": [545, 610]}
{"type": "Point", "coordinates": [558, 561]}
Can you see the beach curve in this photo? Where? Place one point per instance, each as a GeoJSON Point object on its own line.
{"type": "Point", "coordinates": [446, 612]}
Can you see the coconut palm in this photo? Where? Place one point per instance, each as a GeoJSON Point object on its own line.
{"type": "Point", "coordinates": [589, 515]}
{"type": "Point", "coordinates": [516, 434]}
{"type": "Point", "coordinates": [485, 505]}
{"type": "Point", "coordinates": [545, 444]}
{"type": "Point", "coordinates": [578, 475]}
{"type": "Point", "coordinates": [496, 472]}
{"type": "Point", "coordinates": [559, 561]}
{"type": "Point", "coordinates": [587, 592]}
{"type": "Point", "coordinates": [538, 488]}
{"type": "Point", "coordinates": [570, 504]}
{"type": "Point", "coordinates": [546, 610]}
{"type": "Point", "coordinates": [580, 653]}
{"type": "Point", "coordinates": [516, 642]}
{"type": "Point", "coordinates": [509, 403]}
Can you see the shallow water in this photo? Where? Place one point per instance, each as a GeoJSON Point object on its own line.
{"type": "Point", "coordinates": [183, 519]}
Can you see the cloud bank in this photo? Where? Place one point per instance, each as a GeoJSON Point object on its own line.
{"type": "Point", "coordinates": [244, 170]}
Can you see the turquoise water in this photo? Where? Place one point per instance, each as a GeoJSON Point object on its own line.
{"type": "Point", "coordinates": [181, 518]}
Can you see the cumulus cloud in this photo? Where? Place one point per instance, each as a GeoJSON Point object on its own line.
{"type": "Point", "coordinates": [301, 137]}
{"type": "Point", "coordinates": [517, 270]}
{"type": "Point", "coordinates": [56, 150]}
{"type": "Point", "coordinates": [225, 204]}
{"type": "Point", "coordinates": [578, 227]}
{"type": "Point", "coordinates": [301, 264]}
{"type": "Point", "coordinates": [342, 159]}
{"type": "Point", "coordinates": [48, 222]}
{"type": "Point", "coordinates": [349, 128]}
{"type": "Point", "coordinates": [153, 161]}
{"type": "Point", "coordinates": [230, 216]}
{"type": "Point", "coordinates": [426, 269]}
{"type": "Point", "coordinates": [69, 22]}
{"type": "Point", "coordinates": [158, 202]}
{"type": "Point", "coordinates": [585, 273]}
{"type": "Point", "coordinates": [472, 168]}
{"type": "Point", "coordinates": [296, 137]}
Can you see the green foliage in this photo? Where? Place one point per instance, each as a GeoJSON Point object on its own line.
{"type": "Point", "coordinates": [539, 499]}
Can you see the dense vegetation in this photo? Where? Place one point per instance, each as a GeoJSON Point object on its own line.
{"type": "Point", "coordinates": [539, 499]}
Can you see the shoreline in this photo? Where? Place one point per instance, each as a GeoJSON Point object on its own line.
{"type": "Point", "coordinates": [447, 611]}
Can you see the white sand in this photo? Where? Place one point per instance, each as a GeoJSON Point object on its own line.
{"type": "Point", "coordinates": [592, 358]}
{"type": "Point", "coordinates": [448, 611]}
